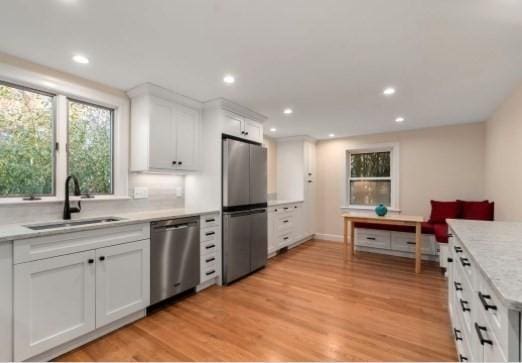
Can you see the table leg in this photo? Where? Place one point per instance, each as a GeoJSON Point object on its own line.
{"type": "Point", "coordinates": [352, 237]}
{"type": "Point", "coordinates": [418, 248]}
{"type": "Point", "coordinates": [345, 238]}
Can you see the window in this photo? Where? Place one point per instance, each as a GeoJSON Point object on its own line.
{"type": "Point", "coordinates": [44, 137]}
{"type": "Point", "coordinates": [371, 175]}
{"type": "Point", "coordinates": [26, 142]}
{"type": "Point", "coordinates": [90, 147]}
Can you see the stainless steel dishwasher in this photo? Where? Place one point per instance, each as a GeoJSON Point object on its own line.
{"type": "Point", "coordinates": [174, 257]}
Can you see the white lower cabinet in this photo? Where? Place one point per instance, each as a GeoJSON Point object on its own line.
{"type": "Point", "coordinates": [484, 329]}
{"type": "Point", "coordinates": [210, 250]}
{"type": "Point", "coordinates": [63, 297]}
{"type": "Point", "coordinates": [286, 226]}
{"type": "Point", "coordinates": [54, 302]}
{"type": "Point", "coordinates": [122, 281]}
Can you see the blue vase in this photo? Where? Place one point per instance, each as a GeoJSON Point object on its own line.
{"type": "Point", "coordinates": [381, 210]}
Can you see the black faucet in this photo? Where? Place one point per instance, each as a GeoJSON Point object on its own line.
{"type": "Point", "coordinates": [67, 209]}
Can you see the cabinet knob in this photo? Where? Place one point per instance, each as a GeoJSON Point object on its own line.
{"type": "Point", "coordinates": [102, 258]}
{"type": "Point", "coordinates": [174, 162]}
{"type": "Point", "coordinates": [90, 260]}
{"type": "Point", "coordinates": [246, 133]}
{"type": "Point", "coordinates": [309, 181]}
{"type": "Point", "coordinates": [180, 162]}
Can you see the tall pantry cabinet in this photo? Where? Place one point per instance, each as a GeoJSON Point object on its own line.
{"type": "Point", "coordinates": [296, 176]}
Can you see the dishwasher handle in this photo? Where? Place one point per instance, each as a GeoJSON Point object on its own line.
{"type": "Point", "coordinates": [174, 227]}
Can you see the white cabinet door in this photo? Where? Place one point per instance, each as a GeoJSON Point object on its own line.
{"type": "Point", "coordinates": [53, 302]}
{"type": "Point", "coordinates": [233, 125]}
{"type": "Point", "coordinates": [161, 136]}
{"type": "Point", "coordinates": [122, 280]}
{"type": "Point", "coordinates": [253, 130]}
{"type": "Point", "coordinates": [187, 132]}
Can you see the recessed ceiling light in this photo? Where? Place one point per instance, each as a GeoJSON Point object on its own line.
{"type": "Point", "coordinates": [288, 111]}
{"type": "Point", "coordinates": [399, 119]}
{"type": "Point", "coordinates": [331, 135]}
{"type": "Point", "coordinates": [229, 79]}
{"type": "Point", "coordinates": [273, 129]}
{"type": "Point", "coordinates": [78, 58]}
{"type": "Point", "coordinates": [388, 91]}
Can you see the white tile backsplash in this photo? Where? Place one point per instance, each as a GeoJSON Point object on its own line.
{"type": "Point", "coordinates": [162, 195]}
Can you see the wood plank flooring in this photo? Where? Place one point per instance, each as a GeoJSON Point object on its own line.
{"type": "Point", "coordinates": [306, 305]}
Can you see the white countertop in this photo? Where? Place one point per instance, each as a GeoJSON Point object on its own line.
{"type": "Point", "coordinates": [496, 248]}
{"type": "Point", "coordinates": [11, 232]}
{"type": "Point", "coordinates": [274, 203]}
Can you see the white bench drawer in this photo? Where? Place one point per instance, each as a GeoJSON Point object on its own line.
{"type": "Point", "coordinates": [372, 238]}
{"type": "Point", "coordinates": [38, 248]}
{"type": "Point", "coordinates": [403, 241]}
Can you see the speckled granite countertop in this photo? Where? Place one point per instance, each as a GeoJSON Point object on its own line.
{"type": "Point", "coordinates": [11, 232]}
{"type": "Point", "coordinates": [275, 203]}
{"type": "Point", "coordinates": [496, 248]}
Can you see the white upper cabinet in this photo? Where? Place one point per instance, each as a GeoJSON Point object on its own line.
{"type": "Point", "coordinates": [242, 127]}
{"type": "Point", "coordinates": [165, 130]}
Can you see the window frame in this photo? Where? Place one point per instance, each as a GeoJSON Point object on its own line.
{"type": "Point", "coordinates": [64, 87]}
{"type": "Point", "coordinates": [53, 142]}
{"type": "Point", "coordinates": [112, 111]}
{"type": "Point", "coordinates": [393, 149]}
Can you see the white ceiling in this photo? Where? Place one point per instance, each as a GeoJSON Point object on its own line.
{"type": "Point", "coordinates": [451, 61]}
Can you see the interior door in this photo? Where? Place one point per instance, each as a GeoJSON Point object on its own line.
{"type": "Point", "coordinates": [258, 239]}
{"type": "Point", "coordinates": [122, 280]}
{"type": "Point", "coordinates": [187, 123]}
{"type": "Point", "coordinates": [236, 246]}
{"type": "Point", "coordinates": [161, 136]}
{"type": "Point", "coordinates": [54, 302]}
{"type": "Point", "coordinates": [258, 174]}
{"type": "Point", "coordinates": [236, 173]}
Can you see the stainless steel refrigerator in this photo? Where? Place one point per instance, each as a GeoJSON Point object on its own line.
{"type": "Point", "coordinates": [244, 208]}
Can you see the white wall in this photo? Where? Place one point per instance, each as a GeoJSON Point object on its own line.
{"type": "Point", "coordinates": [443, 163]}
{"type": "Point", "coordinates": [503, 180]}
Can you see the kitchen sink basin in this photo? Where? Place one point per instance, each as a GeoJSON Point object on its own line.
{"type": "Point", "coordinates": [81, 222]}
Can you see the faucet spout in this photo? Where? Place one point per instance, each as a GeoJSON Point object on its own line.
{"type": "Point", "coordinates": [67, 209]}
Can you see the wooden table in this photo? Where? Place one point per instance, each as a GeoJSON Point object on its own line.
{"type": "Point", "coordinates": [400, 220]}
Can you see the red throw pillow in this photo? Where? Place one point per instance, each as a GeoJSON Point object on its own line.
{"type": "Point", "coordinates": [482, 211]}
{"type": "Point", "coordinates": [440, 211]}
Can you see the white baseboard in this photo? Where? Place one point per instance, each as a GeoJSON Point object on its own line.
{"type": "Point", "coordinates": [329, 237]}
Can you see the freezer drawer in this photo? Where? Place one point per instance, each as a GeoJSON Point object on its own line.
{"type": "Point", "coordinates": [244, 243]}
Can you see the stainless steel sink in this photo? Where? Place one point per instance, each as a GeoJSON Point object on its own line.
{"type": "Point", "coordinates": [81, 222]}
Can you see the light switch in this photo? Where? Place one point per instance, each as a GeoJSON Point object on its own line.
{"type": "Point", "coordinates": [141, 193]}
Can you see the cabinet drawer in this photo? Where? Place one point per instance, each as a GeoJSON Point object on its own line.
{"type": "Point", "coordinates": [211, 220]}
{"type": "Point", "coordinates": [402, 241]}
{"type": "Point", "coordinates": [285, 240]}
{"type": "Point", "coordinates": [372, 238]}
{"type": "Point", "coordinates": [208, 247]}
{"type": "Point", "coordinates": [495, 313]}
{"type": "Point", "coordinates": [285, 223]}
{"type": "Point", "coordinates": [209, 261]}
{"type": "Point", "coordinates": [32, 249]}
{"type": "Point", "coordinates": [208, 271]}
{"type": "Point", "coordinates": [209, 234]}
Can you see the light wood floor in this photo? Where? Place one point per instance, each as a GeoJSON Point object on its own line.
{"type": "Point", "coordinates": [306, 305]}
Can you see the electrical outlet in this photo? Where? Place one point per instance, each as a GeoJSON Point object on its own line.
{"type": "Point", "coordinates": [179, 192]}
{"type": "Point", "coordinates": [141, 193]}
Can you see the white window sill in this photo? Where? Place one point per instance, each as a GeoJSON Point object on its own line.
{"type": "Point", "coordinates": [46, 200]}
{"type": "Point", "coordinates": [367, 208]}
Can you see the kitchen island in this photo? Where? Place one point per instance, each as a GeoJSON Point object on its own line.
{"type": "Point", "coordinates": [485, 289]}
